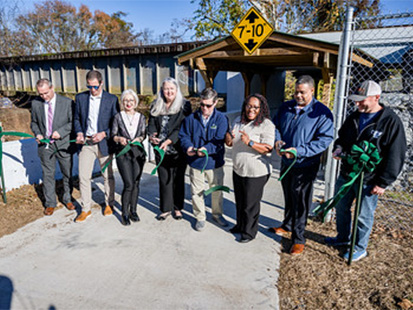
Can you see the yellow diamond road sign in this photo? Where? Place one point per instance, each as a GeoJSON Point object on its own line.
{"type": "Point", "coordinates": [252, 31]}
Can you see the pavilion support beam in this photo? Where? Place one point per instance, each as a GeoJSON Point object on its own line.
{"type": "Point", "coordinates": [207, 74]}
{"type": "Point", "coordinates": [328, 78]}
{"type": "Point", "coordinates": [247, 76]}
{"type": "Point", "coordinates": [264, 79]}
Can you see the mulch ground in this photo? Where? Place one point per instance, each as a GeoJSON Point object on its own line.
{"type": "Point", "coordinates": [317, 279]}
{"type": "Point", "coordinates": [321, 279]}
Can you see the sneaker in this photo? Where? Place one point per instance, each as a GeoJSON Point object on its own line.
{"type": "Point", "coordinates": [108, 211]}
{"type": "Point", "coordinates": [83, 216]}
{"type": "Point", "coordinates": [220, 221]}
{"type": "Point", "coordinates": [200, 225]}
{"type": "Point", "coordinates": [357, 255]}
{"type": "Point", "coordinates": [334, 241]}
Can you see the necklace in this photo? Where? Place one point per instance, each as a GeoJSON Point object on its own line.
{"type": "Point", "coordinates": [130, 119]}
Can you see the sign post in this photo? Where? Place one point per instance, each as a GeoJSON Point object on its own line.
{"type": "Point", "coordinates": [252, 31]}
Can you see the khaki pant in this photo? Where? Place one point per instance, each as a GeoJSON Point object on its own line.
{"type": "Point", "coordinates": [87, 157]}
{"type": "Point", "coordinates": [214, 177]}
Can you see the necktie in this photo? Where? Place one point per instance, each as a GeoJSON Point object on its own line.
{"type": "Point", "coordinates": [49, 120]}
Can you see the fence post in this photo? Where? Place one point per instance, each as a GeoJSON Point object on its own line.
{"type": "Point", "coordinates": [341, 78]}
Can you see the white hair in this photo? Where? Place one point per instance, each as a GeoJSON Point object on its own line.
{"type": "Point", "coordinates": [159, 104]}
{"type": "Point", "coordinates": [129, 92]}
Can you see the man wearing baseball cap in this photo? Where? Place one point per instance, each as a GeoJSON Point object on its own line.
{"type": "Point", "coordinates": [379, 125]}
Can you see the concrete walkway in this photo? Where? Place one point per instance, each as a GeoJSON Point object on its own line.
{"type": "Point", "coordinates": [54, 263]}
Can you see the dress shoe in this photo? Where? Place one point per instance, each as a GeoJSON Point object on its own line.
{"type": "Point", "coordinates": [70, 206]}
{"type": "Point", "coordinates": [177, 215]}
{"type": "Point", "coordinates": [125, 220]}
{"type": "Point", "coordinates": [48, 211]}
{"type": "Point", "coordinates": [235, 230]}
{"type": "Point", "coordinates": [245, 240]}
{"type": "Point", "coordinates": [297, 249]}
{"type": "Point", "coordinates": [108, 211]}
{"type": "Point", "coordinates": [278, 231]}
{"type": "Point", "coordinates": [220, 221]}
{"type": "Point", "coordinates": [83, 216]}
{"type": "Point", "coordinates": [163, 216]}
{"type": "Point", "coordinates": [134, 217]}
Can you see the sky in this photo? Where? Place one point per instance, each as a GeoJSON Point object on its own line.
{"type": "Point", "coordinates": [157, 15]}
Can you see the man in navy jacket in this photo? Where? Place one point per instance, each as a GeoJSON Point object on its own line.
{"type": "Point", "coordinates": [303, 125]}
{"type": "Point", "coordinates": [93, 117]}
{"type": "Point", "coordinates": [203, 131]}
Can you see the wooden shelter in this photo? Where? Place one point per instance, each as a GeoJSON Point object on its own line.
{"type": "Point", "coordinates": [280, 51]}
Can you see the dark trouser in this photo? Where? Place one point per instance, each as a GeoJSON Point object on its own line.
{"type": "Point", "coordinates": [298, 192]}
{"type": "Point", "coordinates": [171, 177]}
{"type": "Point", "coordinates": [48, 163]}
{"type": "Point", "coordinates": [248, 194]}
{"type": "Point", "coordinates": [130, 169]}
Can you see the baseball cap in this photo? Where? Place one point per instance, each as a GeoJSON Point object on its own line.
{"type": "Point", "coordinates": [366, 89]}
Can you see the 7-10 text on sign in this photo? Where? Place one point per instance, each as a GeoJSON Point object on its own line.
{"type": "Point", "coordinates": [252, 31]}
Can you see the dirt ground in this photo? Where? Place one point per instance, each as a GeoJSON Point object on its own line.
{"type": "Point", "coordinates": [318, 279]}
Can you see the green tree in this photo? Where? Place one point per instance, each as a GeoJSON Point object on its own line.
{"type": "Point", "coordinates": [57, 26]}
{"type": "Point", "coordinates": [217, 18]}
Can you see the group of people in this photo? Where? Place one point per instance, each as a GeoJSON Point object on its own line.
{"type": "Point", "coordinates": [300, 132]}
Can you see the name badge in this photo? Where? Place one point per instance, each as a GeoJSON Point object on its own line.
{"type": "Point", "coordinates": [213, 126]}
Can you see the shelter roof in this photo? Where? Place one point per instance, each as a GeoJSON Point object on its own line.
{"type": "Point", "coordinates": [281, 50]}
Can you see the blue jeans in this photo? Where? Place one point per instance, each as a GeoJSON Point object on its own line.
{"type": "Point", "coordinates": [366, 215]}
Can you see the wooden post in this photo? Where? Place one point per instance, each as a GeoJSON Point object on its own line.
{"type": "Point", "coordinates": [247, 76]}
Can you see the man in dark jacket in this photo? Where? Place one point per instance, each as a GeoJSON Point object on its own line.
{"type": "Point", "coordinates": [52, 119]}
{"type": "Point", "coordinates": [305, 126]}
{"type": "Point", "coordinates": [380, 126]}
{"type": "Point", "coordinates": [93, 117]}
{"type": "Point", "coordinates": [203, 131]}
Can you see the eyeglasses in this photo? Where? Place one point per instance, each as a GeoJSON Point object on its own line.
{"type": "Point", "coordinates": [250, 107]}
{"type": "Point", "coordinates": [93, 86]}
{"type": "Point", "coordinates": [206, 105]}
{"type": "Point", "coordinates": [128, 100]}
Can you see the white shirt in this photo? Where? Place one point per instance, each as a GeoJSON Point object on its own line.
{"type": "Point", "coordinates": [247, 162]}
{"type": "Point", "coordinates": [131, 123]}
{"type": "Point", "coordinates": [46, 111]}
{"type": "Point", "coordinates": [92, 120]}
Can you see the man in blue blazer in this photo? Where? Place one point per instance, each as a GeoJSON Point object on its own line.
{"type": "Point", "coordinates": [93, 116]}
{"type": "Point", "coordinates": [51, 118]}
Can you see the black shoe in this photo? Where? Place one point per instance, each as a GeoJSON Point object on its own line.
{"type": "Point", "coordinates": [134, 217]}
{"type": "Point", "coordinates": [235, 230]}
{"type": "Point", "coordinates": [125, 220]}
{"type": "Point", "coordinates": [177, 216]}
{"type": "Point", "coordinates": [244, 240]}
{"type": "Point", "coordinates": [163, 216]}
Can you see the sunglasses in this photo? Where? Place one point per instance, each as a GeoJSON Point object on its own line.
{"type": "Point", "coordinates": [93, 87]}
{"type": "Point", "coordinates": [206, 105]}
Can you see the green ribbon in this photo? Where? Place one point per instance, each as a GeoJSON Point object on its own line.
{"type": "Point", "coordinates": [294, 152]}
{"type": "Point", "coordinates": [123, 152]}
{"type": "Point", "coordinates": [206, 160]}
{"type": "Point", "coordinates": [162, 155]}
{"type": "Point", "coordinates": [363, 158]}
{"type": "Point", "coordinates": [16, 134]}
{"type": "Point", "coordinates": [216, 188]}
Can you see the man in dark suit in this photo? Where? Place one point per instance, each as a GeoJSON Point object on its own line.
{"type": "Point", "coordinates": [52, 119]}
{"type": "Point", "coordinates": [93, 116]}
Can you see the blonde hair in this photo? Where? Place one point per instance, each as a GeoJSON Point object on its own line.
{"type": "Point", "coordinates": [159, 104]}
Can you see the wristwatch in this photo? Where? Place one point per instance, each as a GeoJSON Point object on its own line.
{"type": "Point", "coordinates": [251, 143]}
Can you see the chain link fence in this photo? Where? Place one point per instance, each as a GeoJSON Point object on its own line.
{"type": "Point", "coordinates": [389, 41]}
